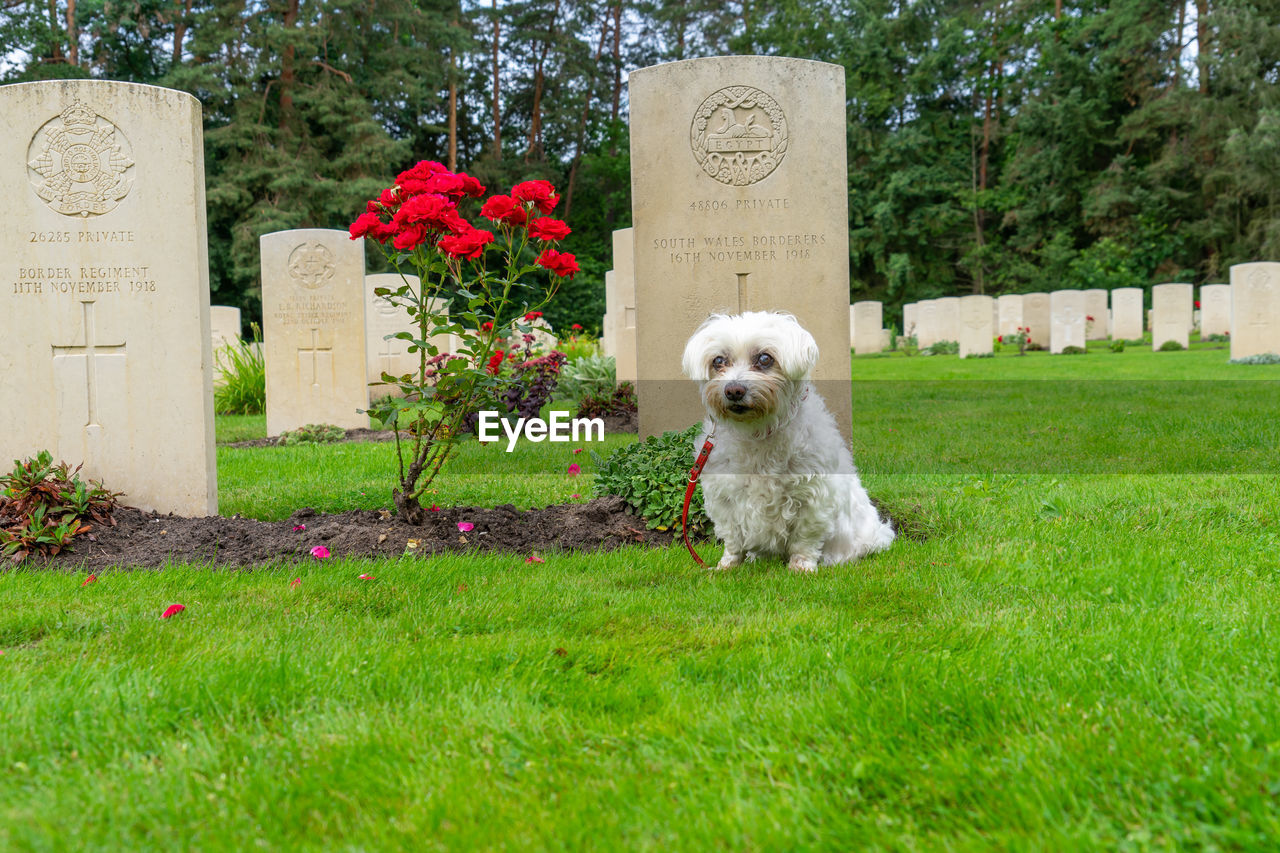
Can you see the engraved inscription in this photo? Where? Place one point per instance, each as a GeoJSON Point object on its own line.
{"type": "Point", "coordinates": [1262, 292]}
{"type": "Point", "coordinates": [82, 280]}
{"type": "Point", "coordinates": [80, 163]}
{"type": "Point", "coordinates": [311, 265]}
{"type": "Point", "coordinates": [739, 135]}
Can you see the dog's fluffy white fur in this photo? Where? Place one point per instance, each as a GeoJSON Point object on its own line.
{"type": "Point", "coordinates": [781, 479]}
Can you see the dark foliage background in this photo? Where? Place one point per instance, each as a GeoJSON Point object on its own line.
{"type": "Point", "coordinates": [994, 146]}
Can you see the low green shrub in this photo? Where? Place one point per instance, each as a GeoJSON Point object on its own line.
{"type": "Point", "coordinates": [241, 386]}
{"type": "Point", "coordinates": [44, 506]}
{"type": "Point", "coordinates": [588, 376]}
{"type": "Point", "coordinates": [1171, 346]}
{"type": "Point", "coordinates": [313, 434]}
{"type": "Point", "coordinates": [1260, 358]}
{"type": "Point", "coordinates": [1217, 339]}
{"type": "Point", "coordinates": [651, 476]}
{"type": "Point", "coordinates": [942, 348]}
{"type": "Point", "coordinates": [981, 355]}
{"type": "Point", "coordinates": [1117, 346]}
{"type": "Point", "coordinates": [621, 402]}
{"type": "Point", "coordinates": [1074, 351]}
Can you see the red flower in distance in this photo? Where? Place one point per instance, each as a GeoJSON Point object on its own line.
{"type": "Point", "coordinates": [561, 263]}
{"type": "Point", "coordinates": [1197, 303]}
{"type": "Point", "coordinates": [495, 361]}
{"type": "Point", "coordinates": [546, 228]}
{"type": "Point", "coordinates": [532, 315]}
{"type": "Point", "coordinates": [486, 327]}
{"type": "Point", "coordinates": [502, 208]}
{"type": "Point", "coordinates": [540, 193]}
{"type": "Point", "coordinates": [577, 327]}
{"type": "Point", "coordinates": [469, 244]}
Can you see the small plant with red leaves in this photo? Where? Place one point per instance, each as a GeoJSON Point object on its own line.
{"type": "Point", "coordinates": [43, 506]}
{"type": "Point", "coordinates": [490, 278]}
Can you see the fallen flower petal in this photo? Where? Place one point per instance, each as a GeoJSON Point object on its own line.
{"type": "Point", "coordinates": [435, 508]}
{"type": "Point", "coordinates": [466, 526]}
{"type": "Point", "coordinates": [532, 559]}
{"type": "Point", "coordinates": [365, 578]}
{"type": "Point", "coordinates": [577, 450]}
{"type": "Point", "coordinates": [298, 527]}
{"type": "Point", "coordinates": [89, 580]}
{"type": "Point", "coordinates": [320, 552]}
{"type": "Point", "coordinates": [574, 496]}
{"type": "Point", "coordinates": [295, 583]}
{"type": "Point", "coordinates": [574, 470]}
{"type": "Point", "coordinates": [172, 610]}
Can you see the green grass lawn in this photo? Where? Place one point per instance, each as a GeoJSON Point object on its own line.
{"type": "Point", "coordinates": [1081, 654]}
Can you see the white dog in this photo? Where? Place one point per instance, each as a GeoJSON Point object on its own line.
{"type": "Point", "coordinates": [781, 479]}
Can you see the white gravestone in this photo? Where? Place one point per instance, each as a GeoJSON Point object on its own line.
{"type": "Point", "coordinates": [624, 321]}
{"type": "Point", "coordinates": [976, 325]}
{"type": "Point", "coordinates": [1126, 313]}
{"type": "Point", "coordinates": [1009, 308]}
{"type": "Point", "coordinates": [313, 329]}
{"type": "Point", "coordinates": [1255, 309]}
{"type": "Point", "coordinates": [608, 328]}
{"type": "Point", "coordinates": [910, 317]}
{"type": "Point", "coordinates": [947, 319]}
{"type": "Point", "coordinates": [1171, 309]}
{"type": "Point", "coordinates": [1095, 306]}
{"type": "Point", "coordinates": [927, 314]}
{"type": "Point", "coordinates": [224, 326]}
{"type": "Point", "coordinates": [739, 203]}
{"type": "Point", "coordinates": [1066, 320]}
{"type": "Point", "coordinates": [105, 347]}
{"type": "Point", "coordinates": [1035, 316]}
{"type": "Point", "coordinates": [868, 320]}
{"type": "Point", "coordinates": [1215, 310]}
{"type": "Point", "coordinates": [382, 318]}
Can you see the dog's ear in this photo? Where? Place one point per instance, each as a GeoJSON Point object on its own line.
{"type": "Point", "coordinates": [799, 352]}
{"type": "Point", "coordinates": [696, 355]}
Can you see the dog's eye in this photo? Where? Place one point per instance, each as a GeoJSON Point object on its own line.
{"type": "Point", "coordinates": [717, 363]}
{"type": "Point", "coordinates": [764, 361]}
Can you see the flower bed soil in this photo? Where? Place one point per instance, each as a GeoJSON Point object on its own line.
{"type": "Point", "coordinates": [150, 540]}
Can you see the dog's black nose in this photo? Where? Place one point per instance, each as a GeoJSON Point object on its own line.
{"type": "Point", "coordinates": [735, 391]}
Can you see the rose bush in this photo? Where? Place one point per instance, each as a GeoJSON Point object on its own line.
{"type": "Point", "coordinates": [492, 278]}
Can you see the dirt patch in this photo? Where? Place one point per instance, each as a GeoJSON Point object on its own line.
{"type": "Point", "coordinates": [150, 540]}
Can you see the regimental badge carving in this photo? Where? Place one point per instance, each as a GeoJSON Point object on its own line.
{"type": "Point", "coordinates": [739, 135]}
{"type": "Point", "coordinates": [311, 265]}
{"type": "Point", "coordinates": [80, 163]}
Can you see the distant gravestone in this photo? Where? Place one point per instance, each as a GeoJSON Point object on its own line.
{"type": "Point", "coordinates": [1095, 306]}
{"type": "Point", "coordinates": [976, 328]}
{"type": "Point", "coordinates": [313, 329]}
{"type": "Point", "coordinates": [105, 343]}
{"type": "Point", "coordinates": [910, 318]}
{"type": "Point", "coordinates": [1255, 309]}
{"type": "Point", "coordinates": [947, 318]}
{"type": "Point", "coordinates": [927, 316]}
{"type": "Point", "coordinates": [868, 320]}
{"type": "Point", "coordinates": [1215, 310]}
{"type": "Point", "coordinates": [624, 321]}
{"type": "Point", "coordinates": [1171, 308]}
{"type": "Point", "coordinates": [1066, 320]}
{"type": "Point", "coordinates": [224, 326]}
{"type": "Point", "coordinates": [1009, 308]}
{"type": "Point", "coordinates": [1126, 314]}
{"type": "Point", "coordinates": [382, 317]}
{"type": "Point", "coordinates": [608, 326]}
{"type": "Point", "coordinates": [1035, 316]}
{"type": "Point", "coordinates": [739, 203]}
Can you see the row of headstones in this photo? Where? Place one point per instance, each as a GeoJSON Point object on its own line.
{"type": "Point", "coordinates": [618, 325]}
{"type": "Point", "coordinates": [1247, 310]}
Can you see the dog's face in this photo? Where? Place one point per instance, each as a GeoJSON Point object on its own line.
{"type": "Point", "coordinates": [749, 364]}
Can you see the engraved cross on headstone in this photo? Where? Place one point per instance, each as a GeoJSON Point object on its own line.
{"type": "Point", "coordinates": [91, 351]}
{"type": "Point", "coordinates": [742, 291]}
{"type": "Point", "coordinates": [314, 351]}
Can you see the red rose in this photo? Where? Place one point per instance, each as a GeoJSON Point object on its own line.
{"type": "Point", "coordinates": [486, 327]}
{"type": "Point", "coordinates": [495, 361]}
{"type": "Point", "coordinates": [577, 327]}
{"type": "Point", "coordinates": [540, 193]}
{"type": "Point", "coordinates": [546, 228]}
{"type": "Point", "coordinates": [410, 237]}
{"type": "Point", "coordinates": [471, 186]}
{"type": "Point", "coordinates": [1000, 339]}
{"type": "Point", "coordinates": [371, 225]}
{"type": "Point", "coordinates": [503, 208]}
{"type": "Point", "coordinates": [1197, 303]}
{"type": "Point", "coordinates": [561, 263]}
{"type": "Point", "coordinates": [432, 210]}
{"type": "Point", "coordinates": [532, 315]}
{"type": "Point", "coordinates": [469, 244]}
{"type": "Point", "coordinates": [390, 198]}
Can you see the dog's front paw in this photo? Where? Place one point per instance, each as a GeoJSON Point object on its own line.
{"type": "Point", "coordinates": [801, 563]}
{"type": "Point", "coordinates": [728, 561]}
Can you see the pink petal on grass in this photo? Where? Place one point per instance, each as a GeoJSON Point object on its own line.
{"type": "Point", "coordinates": [365, 578]}
{"type": "Point", "coordinates": [298, 527]}
{"type": "Point", "coordinates": [574, 497]}
{"type": "Point", "coordinates": [574, 470]}
{"type": "Point", "coordinates": [577, 450]}
{"type": "Point", "coordinates": [320, 552]}
{"type": "Point", "coordinates": [172, 610]}
{"type": "Point", "coordinates": [532, 559]}
{"type": "Point", "coordinates": [89, 580]}
{"type": "Point", "coordinates": [295, 583]}
{"type": "Point", "coordinates": [435, 508]}
{"type": "Point", "coordinates": [466, 526]}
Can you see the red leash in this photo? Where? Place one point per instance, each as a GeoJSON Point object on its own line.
{"type": "Point", "coordinates": [688, 495]}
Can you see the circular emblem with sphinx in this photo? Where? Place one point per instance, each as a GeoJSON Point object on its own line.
{"type": "Point", "coordinates": [739, 135]}
{"type": "Point", "coordinates": [79, 163]}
